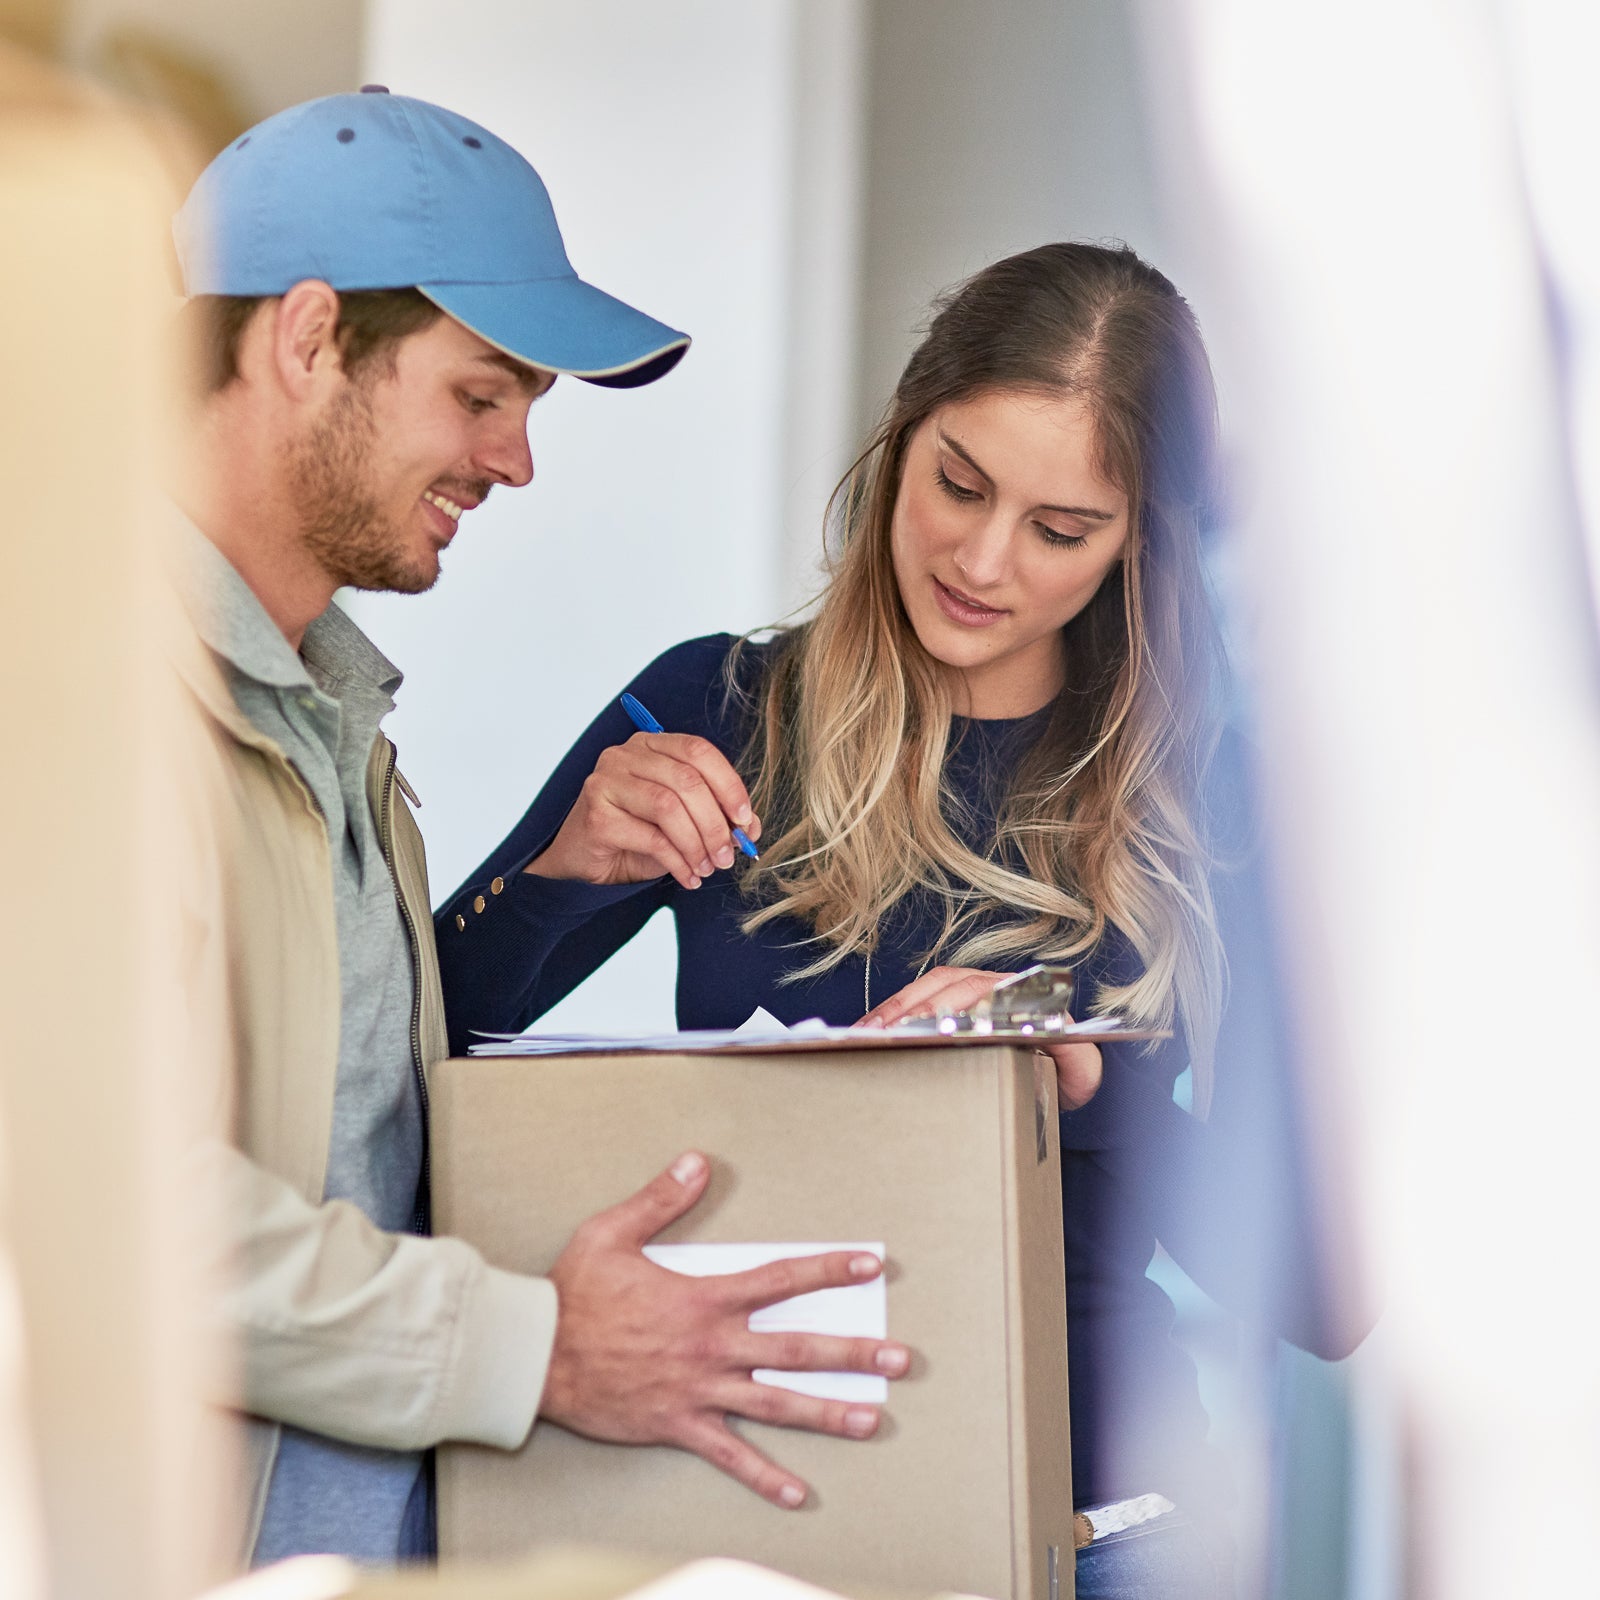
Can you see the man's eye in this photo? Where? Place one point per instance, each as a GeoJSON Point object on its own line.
{"type": "Point", "coordinates": [476, 403]}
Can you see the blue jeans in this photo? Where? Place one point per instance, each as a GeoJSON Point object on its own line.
{"type": "Point", "coordinates": [1167, 1559]}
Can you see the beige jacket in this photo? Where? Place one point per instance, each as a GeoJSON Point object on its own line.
{"type": "Point", "coordinates": [381, 1339]}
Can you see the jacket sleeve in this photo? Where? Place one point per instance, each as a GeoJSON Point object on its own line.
{"type": "Point", "coordinates": [509, 953]}
{"type": "Point", "coordinates": [390, 1340]}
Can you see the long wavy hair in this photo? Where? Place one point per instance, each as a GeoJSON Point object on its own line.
{"type": "Point", "coordinates": [1101, 826]}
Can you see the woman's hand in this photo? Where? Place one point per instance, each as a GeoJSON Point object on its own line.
{"type": "Point", "coordinates": [1078, 1066]}
{"type": "Point", "coordinates": [661, 803]}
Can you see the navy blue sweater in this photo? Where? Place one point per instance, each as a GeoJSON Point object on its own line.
{"type": "Point", "coordinates": [1218, 1195]}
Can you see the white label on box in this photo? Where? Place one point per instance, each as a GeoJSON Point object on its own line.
{"type": "Point", "coordinates": [853, 1311]}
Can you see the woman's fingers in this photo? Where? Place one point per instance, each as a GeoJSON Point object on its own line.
{"type": "Point", "coordinates": [944, 988]}
{"type": "Point", "coordinates": [1078, 1072]}
{"type": "Point", "coordinates": [687, 788]}
{"type": "Point", "coordinates": [662, 802]}
{"type": "Point", "coordinates": [618, 838]}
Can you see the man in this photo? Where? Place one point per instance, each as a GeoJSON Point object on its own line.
{"type": "Point", "coordinates": [382, 295]}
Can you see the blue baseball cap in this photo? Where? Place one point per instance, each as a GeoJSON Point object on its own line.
{"type": "Point", "coordinates": [379, 191]}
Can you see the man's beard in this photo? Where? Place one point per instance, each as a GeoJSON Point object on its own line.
{"type": "Point", "coordinates": [341, 522]}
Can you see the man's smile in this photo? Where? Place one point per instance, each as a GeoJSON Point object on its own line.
{"type": "Point", "coordinates": [450, 508]}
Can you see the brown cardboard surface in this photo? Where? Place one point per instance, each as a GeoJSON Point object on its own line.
{"type": "Point", "coordinates": [936, 1152]}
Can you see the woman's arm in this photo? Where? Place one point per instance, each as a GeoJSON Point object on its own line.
{"type": "Point", "coordinates": [511, 943]}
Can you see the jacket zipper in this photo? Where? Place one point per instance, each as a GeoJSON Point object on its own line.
{"type": "Point", "coordinates": [420, 1221]}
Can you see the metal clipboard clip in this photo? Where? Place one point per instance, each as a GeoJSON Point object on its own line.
{"type": "Point", "coordinates": [1036, 1000]}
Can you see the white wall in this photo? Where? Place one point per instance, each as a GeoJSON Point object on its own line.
{"type": "Point", "coordinates": [993, 126]}
{"type": "Point", "coordinates": [666, 137]}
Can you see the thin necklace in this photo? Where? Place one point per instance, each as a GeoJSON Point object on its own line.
{"type": "Point", "coordinates": [866, 980]}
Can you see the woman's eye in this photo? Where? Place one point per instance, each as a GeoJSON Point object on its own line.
{"type": "Point", "coordinates": [955, 490]}
{"type": "Point", "coordinates": [1059, 540]}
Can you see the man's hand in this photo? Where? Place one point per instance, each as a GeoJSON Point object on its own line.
{"type": "Point", "coordinates": [1078, 1066]}
{"type": "Point", "coordinates": [647, 1356]}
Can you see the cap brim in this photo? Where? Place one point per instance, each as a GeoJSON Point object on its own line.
{"type": "Point", "coordinates": [565, 325]}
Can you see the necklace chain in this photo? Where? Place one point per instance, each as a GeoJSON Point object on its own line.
{"type": "Point", "coordinates": [866, 980]}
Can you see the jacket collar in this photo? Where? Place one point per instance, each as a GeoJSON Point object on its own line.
{"type": "Point", "coordinates": [234, 626]}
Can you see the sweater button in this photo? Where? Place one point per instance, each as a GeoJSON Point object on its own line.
{"type": "Point", "coordinates": [479, 903]}
{"type": "Point", "coordinates": [461, 923]}
{"type": "Point", "coordinates": [497, 886]}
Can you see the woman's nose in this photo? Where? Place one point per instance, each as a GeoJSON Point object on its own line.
{"type": "Point", "coordinates": [983, 558]}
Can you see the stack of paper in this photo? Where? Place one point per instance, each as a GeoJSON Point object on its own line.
{"type": "Point", "coordinates": [761, 1028]}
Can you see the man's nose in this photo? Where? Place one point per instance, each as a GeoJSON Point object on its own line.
{"type": "Point", "coordinates": [508, 457]}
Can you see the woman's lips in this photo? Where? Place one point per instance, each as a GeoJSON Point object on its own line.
{"type": "Point", "coordinates": [963, 609]}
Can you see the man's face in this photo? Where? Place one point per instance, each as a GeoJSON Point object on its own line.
{"type": "Point", "coordinates": [385, 471]}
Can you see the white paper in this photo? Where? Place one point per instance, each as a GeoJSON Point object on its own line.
{"type": "Point", "coordinates": [759, 1028]}
{"type": "Point", "coordinates": [853, 1311]}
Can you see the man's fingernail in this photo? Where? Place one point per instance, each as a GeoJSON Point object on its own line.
{"type": "Point", "coordinates": [746, 818]}
{"type": "Point", "coordinates": [864, 1266]}
{"type": "Point", "coordinates": [725, 856]}
{"type": "Point", "coordinates": [893, 1359]}
{"type": "Point", "coordinates": [792, 1495]}
{"type": "Point", "coordinates": [687, 1168]}
{"type": "Point", "coordinates": [860, 1420]}
{"type": "Point", "coordinates": [705, 869]}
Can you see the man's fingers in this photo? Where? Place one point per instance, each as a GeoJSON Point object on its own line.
{"type": "Point", "coordinates": [783, 1408]}
{"type": "Point", "coordinates": [822, 1352]}
{"type": "Point", "coordinates": [639, 1218]}
{"type": "Point", "coordinates": [780, 1280]}
{"type": "Point", "coordinates": [716, 1442]}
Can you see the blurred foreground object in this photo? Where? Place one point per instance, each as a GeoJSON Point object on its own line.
{"type": "Point", "coordinates": [96, 1102]}
{"type": "Point", "coordinates": [1430, 708]}
{"type": "Point", "coordinates": [560, 1573]}
{"type": "Point", "coordinates": [151, 67]}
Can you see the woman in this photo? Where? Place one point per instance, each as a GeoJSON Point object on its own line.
{"type": "Point", "coordinates": [995, 743]}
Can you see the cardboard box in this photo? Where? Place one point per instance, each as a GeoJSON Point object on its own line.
{"type": "Point", "coordinates": [949, 1155]}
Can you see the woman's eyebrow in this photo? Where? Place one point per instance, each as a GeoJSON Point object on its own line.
{"type": "Point", "coordinates": [956, 449]}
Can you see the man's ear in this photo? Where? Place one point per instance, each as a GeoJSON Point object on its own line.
{"type": "Point", "coordinates": [305, 343]}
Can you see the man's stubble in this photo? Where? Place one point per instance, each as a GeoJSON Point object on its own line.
{"type": "Point", "coordinates": [342, 522]}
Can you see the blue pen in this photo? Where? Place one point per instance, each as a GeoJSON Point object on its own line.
{"type": "Point", "coordinates": [645, 723]}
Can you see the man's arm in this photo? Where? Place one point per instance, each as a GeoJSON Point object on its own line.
{"type": "Point", "coordinates": [390, 1340]}
{"type": "Point", "coordinates": [404, 1342]}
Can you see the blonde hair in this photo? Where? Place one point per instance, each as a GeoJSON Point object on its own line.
{"type": "Point", "coordinates": [1101, 826]}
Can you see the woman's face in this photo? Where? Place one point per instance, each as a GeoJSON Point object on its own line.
{"type": "Point", "coordinates": [1003, 529]}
